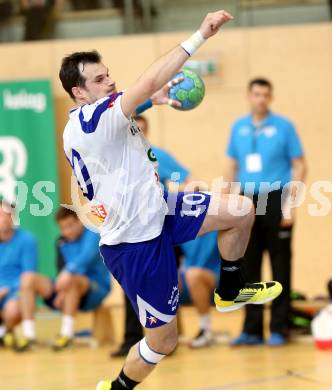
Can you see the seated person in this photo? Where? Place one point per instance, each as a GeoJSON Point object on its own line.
{"type": "Point", "coordinates": [201, 275]}
{"type": "Point", "coordinates": [18, 258]}
{"type": "Point", "coordinates": [81, 284]}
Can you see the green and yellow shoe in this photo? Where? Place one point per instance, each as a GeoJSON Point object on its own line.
{"type": "Point", "coordinates": [104, 385]}
{"type": "Point", "coordinates": [8, 340]}
{"type": "Point", "coordinates": [252, 293]}
{"type": "Point", "coordinates": [61, 342]}
{"type": "Point", "coordinates": [24, 344]}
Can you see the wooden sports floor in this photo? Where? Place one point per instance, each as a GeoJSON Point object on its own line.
{"type": "Point", "coordinates": [297, 366]}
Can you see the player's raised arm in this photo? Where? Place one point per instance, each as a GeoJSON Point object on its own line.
{"type": "Point", "coordinates": [161, 71]}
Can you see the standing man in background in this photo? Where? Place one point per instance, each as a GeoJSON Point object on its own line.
{"type": "Point", "coordinates": [264, 147]}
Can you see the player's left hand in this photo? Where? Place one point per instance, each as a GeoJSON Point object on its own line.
{"type": "Point", "coordinates": [161, 97]}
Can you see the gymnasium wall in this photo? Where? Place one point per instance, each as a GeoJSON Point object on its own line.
{"type": "Point", "coordinates": [298, 59]}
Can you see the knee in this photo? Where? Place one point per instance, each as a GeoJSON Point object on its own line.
{"type": "Point", "coordinates": [193, 275]}
{"type": "Point", "coordinates": [28, 281]}
{"type": "Point", "coordinates": [248, 217]}
{"type": "Point", "coordinates": [12, 314]}
{"type": "Point", "coordinates": [64, 284]}
{"type": "Point", "coordinates": [166, 344]}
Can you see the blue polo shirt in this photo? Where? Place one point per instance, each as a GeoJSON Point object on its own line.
{"type": "Point", "coordinates": [17, 255]}
{"type": "Point", "coordinates": [202, 252]}
{"type": "Point", "coordinates": [82, 257]}
{"type": "Point", "coordinates": [168, 165]}
{"type": "Point", "coordinates": [275, 141]}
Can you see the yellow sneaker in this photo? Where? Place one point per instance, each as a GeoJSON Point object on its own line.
{"type": "Point", "coordinates": [61, 342]}
{"type": "Point", "coordinates": [8, 340]}
{"type": "Point", "coordinates": [256, 293]}
{"type": "Point", "coordinates": [23, 344]}
{"type": "Point", "coordinates": [104, 385]}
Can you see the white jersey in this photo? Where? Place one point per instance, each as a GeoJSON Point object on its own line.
{"type": "Point", "coordinates": [116, 170]}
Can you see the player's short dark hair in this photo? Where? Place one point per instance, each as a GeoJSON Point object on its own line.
{"type": "Point", "coordinates": [70, 75]}
{"type": "Point", "coordinates": [64, 213]}
{"type": "Point", "coordinates": [261, 82]}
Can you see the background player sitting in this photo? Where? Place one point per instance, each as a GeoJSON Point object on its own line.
{"type": "Point", "coordinates": [82, 282]}
{"type": "Point", "coordinates": [18, 260]}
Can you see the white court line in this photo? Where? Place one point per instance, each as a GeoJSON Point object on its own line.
{"type": "Point", "coordinates": [289, 374]}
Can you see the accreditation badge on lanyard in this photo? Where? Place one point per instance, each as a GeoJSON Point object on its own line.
{"type": "Point", "coordinates": [254, 162]}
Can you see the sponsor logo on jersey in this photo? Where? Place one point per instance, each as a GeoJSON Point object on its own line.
{"type": "Point", "coordinates": [134, 129]}
{"type": "Point", "coordinates": [152, 157]}
{"type": "Point", "coordinates": [99, 211]}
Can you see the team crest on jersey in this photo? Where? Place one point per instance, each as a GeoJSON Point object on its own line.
{"type": "Point", "coordinates": [152, 157]}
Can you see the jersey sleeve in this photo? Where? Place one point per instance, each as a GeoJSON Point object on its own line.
{"type": "Point", "coordinates": [294, 145]}
{"type": "Point", "coordinates": [29, 254]}
{"type": "Point", "coordinates": [81, 261]}
{"type": "Point", "coordinates": [105, 118]}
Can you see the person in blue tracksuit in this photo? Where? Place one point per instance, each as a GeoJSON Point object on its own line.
{"type": "Point", "coordinates": [18, 259]}
{"type": "Point", "coordinates": [82, 281]}
{"type": "Point", "coordinates": [265, 155]}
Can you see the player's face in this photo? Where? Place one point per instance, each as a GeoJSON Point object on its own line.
{"type": "Point", "coordinates": [71, 228]}
{"type": "Point", "coordinates": [260, 98]}
{"type": "Point", "coordinates": [6, 222]}
{"type": "Point", "coordinates": [98, 83]}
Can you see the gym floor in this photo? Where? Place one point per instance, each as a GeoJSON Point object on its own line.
{"type": "Point", "coordinates": [296, 366]}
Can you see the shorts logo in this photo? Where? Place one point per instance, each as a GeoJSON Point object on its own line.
{"type": "Point", "coordinates": [152, 320]}
{"type": "Point", "coordinates": [175, 297]}
{"type": "Point", "coordinates": [149, 316]}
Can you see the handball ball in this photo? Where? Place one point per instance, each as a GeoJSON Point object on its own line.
{"type": "Point", "coordinates": [189, 92]}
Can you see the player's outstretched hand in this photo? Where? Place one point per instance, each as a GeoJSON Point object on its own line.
{"type": "Point", "coordinates": [161, 96]}
{"type": "Point", "coordinates": [213, 21]}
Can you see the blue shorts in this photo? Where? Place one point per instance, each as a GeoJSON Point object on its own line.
{"type": "Point", "coordinates": [147, 270]}
{"type": "Point", "coordinates": [90, 301]}
{"type": "Point", "coordinates": [13, 294]}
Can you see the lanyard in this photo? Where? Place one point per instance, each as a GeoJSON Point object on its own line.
{"type": "Point", "coordinates": [256, 130]}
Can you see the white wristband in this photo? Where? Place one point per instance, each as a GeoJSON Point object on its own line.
{"type": "Point", "coordinates": [193, 43]}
